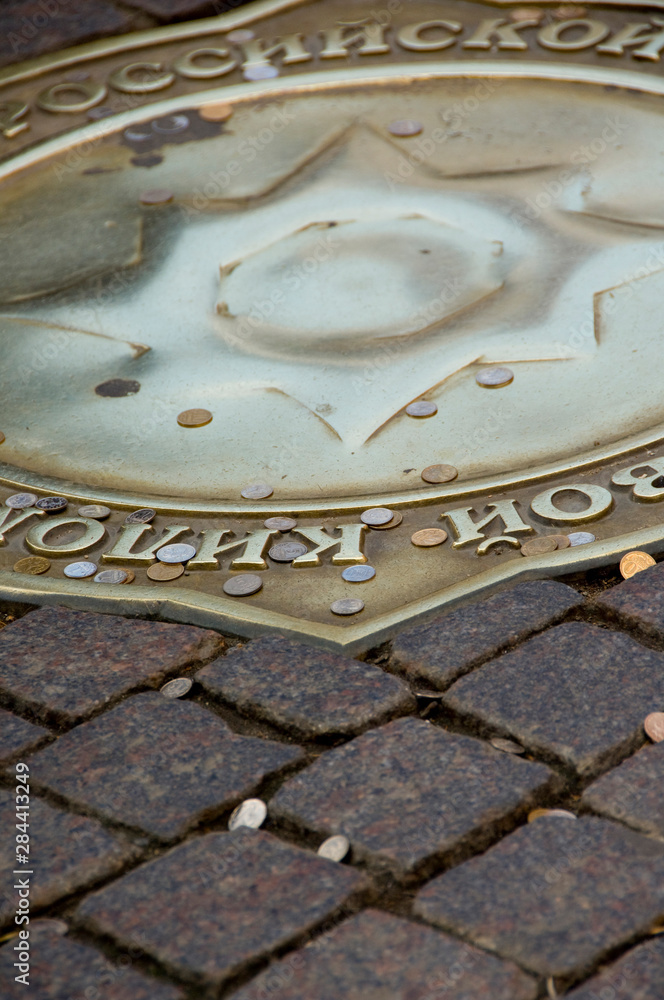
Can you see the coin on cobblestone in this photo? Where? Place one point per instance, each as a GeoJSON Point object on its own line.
{"type": "Point", "coordinates": [216, 112]}
{"type": "Point", "coordinates": [257, 491]}
{"type": "Point", "coordinates": [111, 576]}
{"type": "Point", "coordinates": [507, 746]}
{"type": "Point", "coordinates": [538, 546]}
{"type": "Point", "coordinates": [251, 813]}
{"type": "Point", "coordinates": [562, 541]}
{"type": "Point", "coordinates": [177, 688]}
{"type": "Point", "coordinates": [32, 565]}
{"type": "Point", "coordinates": [494, 378]}
{"type": "Point", "coordinates": [180, 552]}
{"type": "Point", "coordinates": [439, 474]}
{"type": "Point", "coordinates": [581, 537]}
{"type": "Point", "coordinates": [142, 516]}
{"type": "Point", "coordinates": [52, 505]}
{"type": "Point", "coordinates": [96, 511]}
{"type": "Point", "coordinates": [405, 127]}
{"type": "Point", "coordinates": [194, 418]}
{"type": "Point", "coordinates": [79, 570]}
{"type": "Point", "coordinates": [635, 562]}
{"type": "Point", "coordinates": [334, 848]}
{"type": "Point", "coordinates": [427, 538]}
{"type": "Point", "coordinates": [19, 501]}
{"type": "Point", "coordinates": [157, 196]}
{"type": "Point", "coordinates": [358, 574]}
{"type": "Point", "coordinates": [394, 523]}
{"type": "Point", "coordinates": [243, 586]}
{"type": "Point", "coordinates": [537, 813]}
{"type": "Point", "coordinates": [422, 408]}
{"type": "Point", "coordinates": [280, 524]}
{"type": "Point", "coordinates": [377, 515]}
{"type": "Point", "coordinates": [163, 572]}
{"type": "Point", "coordinates": [285, 552]}
{"type": "Point", "coordinates": [654, 726]}
{"type": "Point", "coordinates": [347, 606]}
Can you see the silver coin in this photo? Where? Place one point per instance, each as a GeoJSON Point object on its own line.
{"type": "Point", "coordinates": [494, 378]}
{"type": "Point", "coordinates": [581, 538]}
{"type": "Point", "coordinates": [53, 505]}
{"type": "Point", "coordinates": [178, 553]}
{"type": "Point", "coordinates": [257, 491]}
{"type": "Point", "coordinates": [285, 552]}
{"type": "Point", "coordinates": [94, 510]}
{"type": "Point", "coordinates": [79, 570]}
{"type": "Point", "coordinates": [240, 35]}
{"type": "Point", "coordinates": [243, 586]}
{"type": "Point", "coordinates": [260, 72]}
{"type": "Point", "coordinates": [347, 606]}
{"type": "Point", "coordinates": [170, 125]}
{"type": "Point", "coordinates": [138, 134]}
{"type": "Point", "coordinates": [19, 501]}
{"type": "Point", "coordinates": [142, 516]}
{"type": "Point", "coordinates": [111, 576]}
{"type": "Point", "coordinates": [422, 408]}
{"type": "Point", "coordinates": [280, 524]}
{"type": "Point", "coordinates": [358, 574]}
{"type": "Point", "coordinates": [251, 813]}
{"type": "Point", "coordinates": [177, 688]}
{"type": "Point", "coordinates": [334, 848]}
{"type": "Point", "coordinates": [377, 515]}
{"type": "Point", "coordinates": [507, 746]}
{"type": "Point", "coordinates": [405, 127]}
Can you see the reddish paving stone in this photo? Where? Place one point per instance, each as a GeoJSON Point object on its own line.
{"type": "Point", "coordinates": [66, 853]}
{"type": "Point", "coordinates": [224, 900]}
{"type": "Point", "coordinates": [639, 600]}
{"type": "Point", "coordinates": [577, 693]}
{"type": "Point", "coordinates": [376, 956]}
{"type": "Point", "coordinates": [633, 792]}
{"type": "Point", "coordinates": [30, 28]}
{"type": "Point", "coordinates": [64, 969]}
{"type": "Point", "coordinates": [452, 644]}
{"type": "Point", "coordinates": [307, 691]}
{"type": "Point", "coordinates": [65, 664]}
{"type": "Point", "coordinates": [410, 792]}
{"type": "Point", "coordinates": [555, 896]}
{"type": "Point", "coordinates": [638, 975]}
{"type": "Point", "coordinates": [18, 736]}
{"type": "Point", "coordinates": [158, 764]}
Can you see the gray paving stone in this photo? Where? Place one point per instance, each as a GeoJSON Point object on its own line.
{"type": "Point", "coordinates": [555, 895]}
{"type": "Point", "coordinates": [224, 900]}
{"type": "Point", "coordinates": [633, 792]}
{"type": "Point", "coordinates": [410, 792]}
{"type": "Point", "coordinates": [638, 975]}
{"type": "Point", "coordinates": [376, 956]}
{"type": "Point", "coordinates": [307, 691]}
{"type": "Point", "coordinates": [66, 853]}
{"type": "Point", "coordinates": [65, 664]}
{"type": "Point", "coordinates": [577, 693]}
{"type": "Point", "coordinates": [17, 736]}
{"type": "Point", "coordinates": [64, 969]}
{"type": "Point", "coordinates": [158, 764]}
{"type": "Point", "coordinates": [639, 600]}
{"type": "Point", "coordinates": [450, 645]}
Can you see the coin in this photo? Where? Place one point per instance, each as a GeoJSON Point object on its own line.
{"type": "Point", "coordinates": [157, 196]}
{"type": "Point", "coordinates": [111, 576]}
{"type": "Point", "coordinates": [377, 515]}
{"type": "Point", "coordinates": [251, 813]}
{"type": "Point", "coordinates": [537, 813]}
{"type": "Point", "coordinates": [285, 552]}
{"type": "Point", "coordinates": [562, 541]}
{"type": "Point", "coordinates": [654, 726]}
{"type": "Point", "coordinates": [347, 606]}
{"type": "Point", "coordinates": [260, 72]}
{"type": "Point", "coordinates": [19, 501]}
{"type": "Point", "coordinates": [507, 746]}
{"type": "Point", "coordinates": [2, 437]}
{"type": "Point", "coordinates": [280, 523]}
{"type": "Point", "coordinates": [178, 553]}
{"type": "Point", "coordinates": [96, 511]}
{"type": "Point", "coordinates": [79, 570]}
{"type": "Point", "coordinates": [405, 127]}
{"type": "Point", "coordinates": [635, 562]}
{"type": "Point", "coordinates": [170, 125]}
{"type": "Point", "coordinates": [257, 491]}
{"type": "Point", "coordinates": [394, 523]}
{"type": "Point", "coordinates": [142, 516]}
{"type": "Point", "coordinates": [131, 576]}
{"type": "Point", "coordinates": [32, 565]}
{"type": "Point", "coordinates": [243, 586]}
{"type": "Point", "coordinates": [177, 688]}
{"type": "Point", "coordinates": [52, 505]}
{"type": "Point", "coordinates": [165, 571]}
{"type": "Point", "coordinates": [334, 848]}
{"type": "Point", "coordinates": [216, 112]}
{"type": "Point", "coordinates": [494, 378]}
{"type": "Point", "coordinates": [240, 35]}
{"type": "Point", "coordinates": [439, 474]}
{"type": "Point", "coordinates": [580, 537]}
{"type": "Point", "coordinates": [539, 546]}
{"type": "Point", "coordinates": [194, 418]}
{"type": "Point", "coordinates": [526, 14]}
{"type": "Point", "coordinates": [358, 574]}
{"type": "Point", "coordinates": [423, 408]}
{"type": "Point", "coordinates": [428, 537]}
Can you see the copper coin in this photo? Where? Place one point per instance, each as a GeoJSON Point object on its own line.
{"type": "Point", "coordinates": [539, 546]}
{"type": "Point", "coordinates": [494, 378]}
{"type": "Point", "coordinates": [163, 572]}
{"type": "Point", "coordinates": [439, 474]}
{"type": "Point", "coordinates": [405, 127]}
{"type": "Point", "coordinates": [243, 586]}
{"type": "Point", "coordinates": [394, 523]}
{"type": "Point", "coordinates": [428, 537]}
{"type": "Point", "coordinates": [507, 746]}
{"type": "Point", "coordinates": [19, 501]}
{"type": "Point", "coordinates": [376, 516]}
{"type": "Point", "coordinates": [111, 576]}
{"type": "Point", "coordinates": [158, 196]}
{"type": "Point", "coordinates": [654, 726]}
{"type": "Point", "coordinates": [280, 524]}
{"type": "Point", "coordinates": [562, 541]}
{"type": "Point", "coordinates": [96, 511]}
{"type": "Point", "coordinates": [131, 576]}
{"type": "Point", "coordinates": [257, 491]}
{"type": "Point", "coordinates": [32, 565]}
{"type": "Point", "coordinates": [422, 408]}
{"type": "Point", "coordinates": [142, 516]}
{"type": "Point", "coordinates": [635, 562]}
{"type": "Point", "coordinates": [177, 688]}
{"type": "Point", "coordinates": [52, 505]}
{"type": "Point", "coordinates": [194, 418]}
{"type": "Point", "coordinates": [285, 552]}
{"type": "Point", "coordinates": [347, 606]}
{"type": "Point", "coordinates": [216, 112]}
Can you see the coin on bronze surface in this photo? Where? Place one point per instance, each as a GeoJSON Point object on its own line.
{"type": "Point", "coordinates": [347, 606]}
{"type": "Point", "coordinates": [405, 127]}
{"type": "Point", "coordinates": [635, 562]}
{"type": "Point", "coordinates": [526, 14]}
{"type": "Point", "coordinates": [131, 576]}
{"type": "Point", "coordinates": [79, 570]}
{"type": "Point", "coordinates": [257, 491]}
{"type": "Point", "coordinates": [397, 519]}
{"type": "Point", "coordinates": [377, 515]}
{"type": "Point", "coordinates": [280, 524]}
{"type": "Point", "coordinates": [158, 196]}
{"type": "Point", "coordinates": [654, 726]}
{"type": "Point", "coordinates": [261, 72]}
{"type": "Point", "coordinates": [422, 408]}
{"type": "Point", "coordinates": [539, 546]}
{"type": "Point", "coordinates": [179, 552]}
{"type": "Point", "coordinates": [243, 586]}
{"type": "Point", "coordinates": [2, 437]}
{"type": "Point", "coordinates": [194, 418]}
{"type": "Point", "coordinates": [494, 378]}
{"type": "Point", "coordinates": [216, 112]}
{"type": "Point", "coordinates": [439, 474]}
{"type": "Point", "coordinates": [20, 501]}
{"type": "Point", "coordinates": [240, 35]}
{"type": "Point", "coordinates": [163, 572]}
{"type": "Point", "coordinates": [427, 538]}
{"type": "Point", "coordinates": [562, 541]}
{"type": "Point", "coordinates": [96, 511]}
{"type": "Point", "coordinates": [358, 574]}
{"type": "Point", "coordinates": [52, 505]}
{"type": "Point", "coordinates": [251, 813]}
{"type": "Point", "coordinates": [170, 125]}
{"type": "Point", "coordinates": [111, 576]}
{"type": "Point", "coordinates": [285, 552]}
{"type": "Point", "coordinates": [142, 516]}
{"type": "Point", "coordinates": [177, 688]}
{"type": "Point", "coordinates": [334, 848]}
{"type": "Point", "coordinates": [32, 565]}
{"type": "Point", "coordinates": [507, 746]}
{"type": "Point", "coordinates": [581, 537]}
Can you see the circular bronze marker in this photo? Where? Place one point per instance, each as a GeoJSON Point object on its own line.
{"type": "Point", "coordinates": [194, 418]}
{"type": "Point", "coordinates": [439, 474]}
{"type": "Point", "coordinates": [163, 572]}
{"type": "Point", "coordinates": [347, 606]}
{"type": "Point", "coordinates": [654, 726]}
{"type": "Point", "coordinates": [394, 523]}
{"type": "Point", "coordinates": [142, 516]}
{"type": "Point", "coordinates": [562, 541]}
{"type": "Point", "coordinates": [539, 546]}
{"type": "Point", "coordinates": [427, 538]}
{"type": "Point", "coordinates": [635, 562]}
{"type": "Point", "coordinates": [405, 127]}
{"type": "Point", "coordinates": [216, 112]}
{"type": "Point", "coordinates": [243, 586]}
{"type": "Point", "coordinates": [158, 196]}
{"type": "Point", "coordinates": [423, 408]}
{"type": "Point", "coordinates": [280, 524]}
{"type": "Point", "coordinates": [32, 565]}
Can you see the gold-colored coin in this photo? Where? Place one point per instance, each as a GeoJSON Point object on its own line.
{"type": "Point", "coordinates": [33, 565]}
{"type": "Point", "coordinates": [562, 541]}
{"type": "Point", "coordinates": [428, 537]}
{"type": "Point", "coordinates": [131, 576]}
{"type": "Point", "coordinates": [539, 546]}
{"type": "Point", "coordinates": [194, 418]}
{"type": "Point", "coordinates": [654, 726]}
{"type": "Point", "coordinates": [635, 562]}
{"type": "Point", "coordinates": [439, 474]}
{"type": "Point", "coordinates": [165, 571]}
{"type": "Point", "coordinates": [537, 813]}
{"type": "Point", "coordinates": [216, 112]}
{"type": "Point", "coordinates": [394, 523]}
